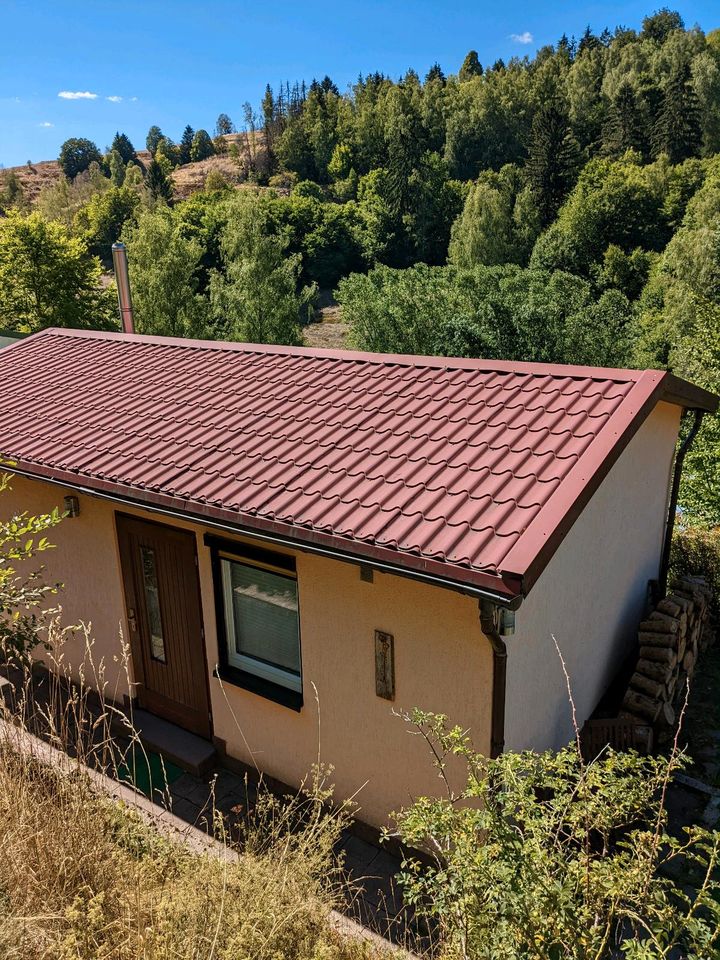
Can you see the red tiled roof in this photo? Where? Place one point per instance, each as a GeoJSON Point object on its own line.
{"type": "Point", "coordinates": [469, 470]}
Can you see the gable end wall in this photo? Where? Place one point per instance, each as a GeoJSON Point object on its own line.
{"type": "Point", "coordinates": [592, 594]}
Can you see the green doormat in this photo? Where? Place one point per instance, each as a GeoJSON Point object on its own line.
{"type": "Point", "coordinates": [148, 772]}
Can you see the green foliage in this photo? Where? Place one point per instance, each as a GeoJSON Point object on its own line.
{"type": "Point", "coordinates": [435, 203]}
{"type": "Point", "coordinates": [501, 312]}
{"type": "Point", "coordinates": [11, 192]}
{"type": "Point", "coordinates": [552, 160]}
{"type": "Point", "coordinates": [627, 272]}
{"type": "Point", "coordinates": [625, 124]}
{"type": "Point", "coordinates": [614, 202]}
{"type": "Point", "coordinates": [661, 24]}
{"type": "Point", "coordinates": [116, 168]}
{"type": "Point", "coordinates": [547, 856]}
{"type": "Point", "coordinates": [696, 553]}
{"type": "Point", "coordinates": [158, 181]}
{"type": "Point", "coordinates": [201, 147]}
{"type": "Point", "coordinates": [679, 327]}
{"type": "Point", "coordinates": [676, 131]}
{"type": "Point", "coordinates": [122, 144]}
{"type": "Point", "coordinates": [169, 155]}
{"type": "Point", "coordinates": [63, 199]}
{"type": "Point", "coordinates": [185, 145]}
{"type": "Point", "coordinates": [499, 222]}
{"type": "Point", "coordinates": [102, 219]}
{"type": "Point", "coordinates": [154, 136]}
{"type": "Point", "coordinates": [23, 596]}
{"type": "Point", "coordinates": [164, 266]}
{"type": "Point", "coordinates": [255, 297]}
{"type": "Point", "coordinates": [215, 181]}
{"type": "Point", "coordinates": [48, 279]}
{"type": "Point", "coordinates": [76, 155]}
{"type": "Point", "coordinates": [341, 162]}
{"type": "Point", "coordinates": [470, 67]}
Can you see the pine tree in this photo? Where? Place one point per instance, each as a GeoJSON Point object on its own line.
{"type": "Point", "coordinates": [471, 67]}
{"type": "Point", "coordinates": [677, 130]}
{"type": "Point", "coordinates": [435, 73]}
{"type": "Point", "coordinates": [552, 159]}
{"type": "Point", "coordinates": [121, 143]}
{"type": "Point", "coordinates": [154, 136]}
{"type": "Point", "coordinates": [565, 47]}
{"type": "Point", "coordinates": [201, 147]}
{"type": "Point", "coordinates": [186, 144]}
{"type": "Point", "coordinates": [158, 184]}
{"type": "Point", "coordinates": [662, 23]}
{"type": "Point", "coordinates": [588, 41]}
{"type": "Point", "coordinates": [268, 110]}
{"type": "Point", "coordinates": [624, 128]}
{"type": "Point", "coordinates": [403, 131]}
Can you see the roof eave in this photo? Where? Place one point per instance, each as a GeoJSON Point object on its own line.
{"type": "Point", "coordinates": [686, 394]}
{"type": "Point", "coordinates": [505, 590]}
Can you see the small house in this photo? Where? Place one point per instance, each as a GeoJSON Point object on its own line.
{"type": "Point", "coordinates": [300, 544]}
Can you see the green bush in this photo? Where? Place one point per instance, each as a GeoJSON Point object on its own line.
{"type": "Point", "coordinates": [696, 552]}
{"type": "Point", "coordinates": [546, 857]}
{"type": "Point", "coordinates": [502, 312]}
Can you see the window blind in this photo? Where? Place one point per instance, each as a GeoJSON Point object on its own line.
{"type": "Point", "coordinates": [262, 614]}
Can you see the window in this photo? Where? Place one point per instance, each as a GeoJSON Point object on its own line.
{"type": "Point", "coordinates": [257, 605]}
{"type": "Point", "coordinates": [152, 604]}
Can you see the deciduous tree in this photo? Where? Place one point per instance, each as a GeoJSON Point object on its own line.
{"type": "Point", "coordinates": [256, 297]}
{"type": "Point", "coordinates": [164, 266]}
{"type": "Point", "coordinates": [76, 155]}
{"type": "Point", "coordinates": [48, 279]}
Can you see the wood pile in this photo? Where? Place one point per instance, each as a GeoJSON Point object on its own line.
{"type": "Point", "coordinates": [670, 640]}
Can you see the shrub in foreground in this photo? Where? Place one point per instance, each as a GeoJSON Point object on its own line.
{"type": "Point", "coordinates": [546, 856]}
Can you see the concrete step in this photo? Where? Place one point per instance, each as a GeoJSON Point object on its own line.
{"type": "Point", "coordinates": [183, 748]}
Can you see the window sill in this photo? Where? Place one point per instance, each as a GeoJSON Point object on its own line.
{"type": "Point", "coordinates": [263, 688]}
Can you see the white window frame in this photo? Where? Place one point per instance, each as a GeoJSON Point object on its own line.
{"type": "Point", "coordinates": [247, 664]}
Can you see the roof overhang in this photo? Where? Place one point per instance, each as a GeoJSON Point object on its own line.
{"type": "Point", "coordinates": [505, 591]}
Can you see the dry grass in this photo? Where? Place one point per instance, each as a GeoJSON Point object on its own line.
{"type": "Point", "coordinates": [34, 177]}
{"type": "Point", "coordinates": [84, 877]}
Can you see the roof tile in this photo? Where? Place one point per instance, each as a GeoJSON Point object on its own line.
{"type": "Point", "coordinates": [444, 462]}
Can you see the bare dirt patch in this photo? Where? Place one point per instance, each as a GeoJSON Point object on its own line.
{"type": "Point", "coordinates": [34, 177]}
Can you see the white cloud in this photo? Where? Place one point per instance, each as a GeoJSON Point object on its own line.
{"type": "Point", "coordinates": [46, 123]}
{"type": "Point", "coordinates": [133, 99]}
{"type": "Point", "coordinates": [525, 37]}
{"type": "Point", "coordinates": [77, 95]}
{"type": "Point", "coordinates": [114, 99]}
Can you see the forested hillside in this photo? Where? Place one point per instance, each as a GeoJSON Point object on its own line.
{"type": "Point", "coordinates": [561, 208]}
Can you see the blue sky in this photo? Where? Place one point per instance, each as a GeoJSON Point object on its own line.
{"type": "Point", "coordinates": [172, 63]}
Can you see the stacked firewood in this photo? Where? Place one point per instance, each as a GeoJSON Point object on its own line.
{"type": "Point", "coordinates": [670, 640]}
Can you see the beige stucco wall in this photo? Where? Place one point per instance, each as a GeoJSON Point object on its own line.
{"type": "Point", "coordinates": [592, 593]}
{"type": "Point", "coordinates": [442, 661]}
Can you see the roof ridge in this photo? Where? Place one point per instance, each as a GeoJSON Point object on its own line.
{"type": "Point", "coordinates": [479, 364]}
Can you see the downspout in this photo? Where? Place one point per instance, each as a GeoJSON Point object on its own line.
{"type": "Point", "coordinates": [490, 621]}
{"type": "Point", "coordinates": [672, 508]}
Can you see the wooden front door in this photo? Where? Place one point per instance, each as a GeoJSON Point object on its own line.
{"type": "Point", "coordinates": [162, 597]}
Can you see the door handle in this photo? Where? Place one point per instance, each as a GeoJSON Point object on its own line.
{"type": "Point", "coordinates": [132, 620]}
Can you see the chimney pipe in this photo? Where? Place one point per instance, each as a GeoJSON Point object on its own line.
{"type": "Point", "coordinates": [122, 279]}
